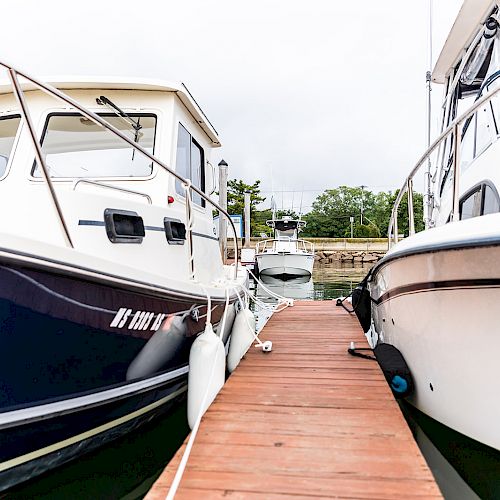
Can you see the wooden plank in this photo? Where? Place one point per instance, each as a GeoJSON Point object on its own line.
{"type": "Point", "coordinates": [304, 421]}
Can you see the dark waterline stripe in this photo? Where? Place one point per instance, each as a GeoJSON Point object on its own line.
{"type": "Point", "coordinates": [438, 285]}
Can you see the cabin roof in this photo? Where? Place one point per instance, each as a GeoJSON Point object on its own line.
{"type": "Point", "coordinates": [471, 14]}
{"type": "Point", "coordinates": [121, 83]}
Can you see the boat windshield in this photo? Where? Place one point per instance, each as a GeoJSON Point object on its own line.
{"type": "Point", "coordinates": [285, 225]}
{"type": "Point", "coordinates": [74, 146]}
{"type": "Point", "coordinates": [8, 130]}
{"type": "Point", "coordinates": [285, 235]}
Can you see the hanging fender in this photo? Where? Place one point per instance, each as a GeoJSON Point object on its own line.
{"type": "Point", "coordinates": [242, 336]}
{"type": "Point", "coordinates": [231, 314]}
{"type": "Point", "coordinates": [396, 371]}
{"type": "Point", "coordinates": [207, 371]}
{"type": "Point", "coordinates": [162, 348]}
{"type": "Point", "coordinates": [361, 303]}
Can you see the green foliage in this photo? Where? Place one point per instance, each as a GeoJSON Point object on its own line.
{"type": "Point", "coordinates": [331, 212]}
{"type": "Point", "coordinates": [236, 201]}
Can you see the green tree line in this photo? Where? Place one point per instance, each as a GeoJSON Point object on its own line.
{"type": "Point", "coordinates": [331, 211]}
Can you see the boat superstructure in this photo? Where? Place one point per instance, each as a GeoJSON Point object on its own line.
{"type": "Point", "coordinates": [433, 295]}
{"type": "Point", "coordinates": [107, 256]}
{"type": "Point", "coordinates": [286, 255]}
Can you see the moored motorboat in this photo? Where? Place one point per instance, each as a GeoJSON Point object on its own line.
{"type": "Point", "coordinates": [433, 295]}
{"type": "Point", "coordinates": [286, 255]}
{"type": "Point", "coordinates": [107, 257]}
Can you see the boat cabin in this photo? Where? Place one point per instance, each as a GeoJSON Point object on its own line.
{"type": "Point", "coordinates": [469, 67]}
{"type": "Point", "coordinates": [94, 172]}
{"type": "Point", "coordinates": [286, 229]}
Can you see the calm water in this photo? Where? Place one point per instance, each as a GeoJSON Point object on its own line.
{"type": "Point", "coordinates": [127, 468]}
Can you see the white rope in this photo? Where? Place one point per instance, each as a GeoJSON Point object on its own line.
{"type": "Point", "coordinates": [182, 466]}
{"type": "Point", "coordinates": [265, 346]}
{"type": "Point", "coordinates": [189, 226]}
{"type": "Point", "coordinates": [224, 316]}
{"type": "Point", "coordinates": [270, 292]}
{"type": "Point", "coordinates": [248, 296]}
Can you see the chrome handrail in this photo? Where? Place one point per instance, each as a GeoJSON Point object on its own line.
{"type": "Point", "coordinates": [49, 89]}
{"type": "Point", "coordinates": [109, 186]}
{"type": "Point", "coordinates": [264, 243]}
{"type": "Point", "coordinates": [455, 128]}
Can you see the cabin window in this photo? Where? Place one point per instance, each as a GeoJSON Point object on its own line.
{"type": "Point", "coordinates": [8, 131]}
{"type": "Point", "coordinates": [491, 203]}
{"type": "Point", "coordinates": [74, 146]}
{"type": "Point", "coordinates": [471, 205]}
{"type": "Point", "coordinates": [482, 200]}
{"type": "Point", "coordinates": [189, 164]}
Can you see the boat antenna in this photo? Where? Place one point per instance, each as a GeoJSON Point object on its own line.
{"type": "Point", "coordinates": [273, 201]}
{"type": "Point", "coordinates": [300, 209]}
{"type": "Point", "coordinates": [428, 80]}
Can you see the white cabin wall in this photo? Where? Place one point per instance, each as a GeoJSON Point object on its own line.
{"type": "Point", "coordinates": [207, 253]}
{"type": "Point", "coordinates": [28, 211]}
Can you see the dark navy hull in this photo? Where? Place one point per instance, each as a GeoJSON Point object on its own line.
{"type": "Point", "coordinates": [67, 343]}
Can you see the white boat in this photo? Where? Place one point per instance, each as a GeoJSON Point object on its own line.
{"type": "Point", "coordinates": [286, 255]}
{"type": "Point", "coordinates": [434, 295]}
{"type": "Point", "coordinates": [107, 255]}
{"type": "Point", "coordinates": [297, 287]}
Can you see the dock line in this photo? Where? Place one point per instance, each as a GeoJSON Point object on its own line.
{"type": "Point", "coordinates": [266, 347]}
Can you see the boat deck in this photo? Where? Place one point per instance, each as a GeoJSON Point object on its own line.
{"type": "Point", "coordinates": [304, 421]}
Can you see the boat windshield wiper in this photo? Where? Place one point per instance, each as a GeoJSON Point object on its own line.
{"type": "Point", "coordinates": [104, 101]}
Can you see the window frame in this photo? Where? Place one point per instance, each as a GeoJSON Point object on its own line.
{"type": "Point", "coordinates": [153, 114]}
{"type": "Point", "coordinates": [15, 142]}
{"type": "Point", "coordinates": [479, 187]}
{"type": "Point", "coordinates": [203, 161]}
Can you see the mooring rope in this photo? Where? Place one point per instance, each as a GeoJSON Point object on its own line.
{"type": "Point", "coordinates": [187, 452]}
{"type": "Point", "coordinates": [266, 346]}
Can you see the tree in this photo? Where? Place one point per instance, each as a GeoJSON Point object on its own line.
{"type": "Point", "coordinates": [418, 213]}
{"type": "Point", "coordinates": [236, 199]}
{"type": "Point", "coordinates": [332, 210]}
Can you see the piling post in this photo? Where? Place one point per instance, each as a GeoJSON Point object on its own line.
{"type": "Point", "coordinates": [223, 172]}
{"type": "Point", "coordinates": [247, 218]}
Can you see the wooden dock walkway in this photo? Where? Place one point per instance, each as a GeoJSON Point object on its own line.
{"type": "Point", "coordinates": [304, 421]}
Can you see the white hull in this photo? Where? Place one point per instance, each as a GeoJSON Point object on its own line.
{"type": "Point", "coordinates": [438, 307]}
{"type": "Point", "coordinates": [291, 264]}
{"type": "Point", "coordinates": [298, 288]}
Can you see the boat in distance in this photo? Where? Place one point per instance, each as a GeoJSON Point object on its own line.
{"type": "Point", "coordinates": [286, 255]}
{"type": "Point", "coordinates": [434, 295]}
{"type": "Point", "coordinates": [107, 257]}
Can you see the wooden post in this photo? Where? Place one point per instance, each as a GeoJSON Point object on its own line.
{"type": "Point", "coordinates": [247, 219]}
{"type": "Point", "coordinates": [223, 169]}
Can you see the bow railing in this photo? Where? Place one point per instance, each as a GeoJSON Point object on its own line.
{"type": "Point", "coordinates": [454, 132]}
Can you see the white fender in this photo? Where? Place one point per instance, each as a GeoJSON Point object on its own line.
{"type": "Point", "coordinates": [230, 315]}
{"type": "Point", "coordinates": [242, 336]}
{"type": "Point", "coordinates": [207, 371]}
{"type": "Point", "coordinates": [161, 349]}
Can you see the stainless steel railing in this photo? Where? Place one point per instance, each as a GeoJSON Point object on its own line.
{"type": "Point", "coordinates": [455, 131]}
{"type": "Point", "coordinates": [115, 188]}
{"type": "Point", "coordinates": [303, 245]}
{"type": "Point", "coordinates": [19, 93]}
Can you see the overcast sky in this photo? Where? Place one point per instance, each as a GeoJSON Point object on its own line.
{"type": "Point", "coordinates": [306, 96]}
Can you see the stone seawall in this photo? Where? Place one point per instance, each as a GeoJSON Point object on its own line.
{"type": "Point", "coordinates": [338, 249]}
{"type": "Point", "coordinates": [348, 256]}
